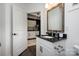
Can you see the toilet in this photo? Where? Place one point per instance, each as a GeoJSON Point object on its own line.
{"type": "Point", "coordinates": [76, 49]}
{"type": "Point", "coordinates": [72, 51]}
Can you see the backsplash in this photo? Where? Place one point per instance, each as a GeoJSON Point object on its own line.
{"type": "Point", "coordinates": [57, 34]}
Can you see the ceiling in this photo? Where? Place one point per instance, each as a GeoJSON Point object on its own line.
{"type": "Point", "coordinates": [28, 5]}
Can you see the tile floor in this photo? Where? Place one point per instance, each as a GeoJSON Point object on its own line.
{"type": "Point", "coordinates": [30, 51]}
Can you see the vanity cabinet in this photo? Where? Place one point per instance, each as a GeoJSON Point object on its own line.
{"type": "Point", "coordinates": [46, 48]}
{"type": "Point", "coordinates": [42, 49]}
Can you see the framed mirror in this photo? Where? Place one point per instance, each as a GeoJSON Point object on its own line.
{"type": "Point", "coordinates": [55, 18]}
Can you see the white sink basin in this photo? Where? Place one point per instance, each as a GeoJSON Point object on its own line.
{"type": "Point", "coordinates": [47, 37]}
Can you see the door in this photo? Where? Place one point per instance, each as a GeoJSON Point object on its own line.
{"type": "Point", "coordinates": [19, 30]}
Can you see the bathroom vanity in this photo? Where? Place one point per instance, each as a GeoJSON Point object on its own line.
{"type": "Point", "coordinates": [48, 47]}
{"type": "Point", "coordinates": [54, 43]}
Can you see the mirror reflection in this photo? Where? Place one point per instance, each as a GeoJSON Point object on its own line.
{"type": "Point", "coordinates": [55, 18]}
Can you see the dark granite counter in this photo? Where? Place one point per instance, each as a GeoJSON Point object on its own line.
{"type": "Point", "coordinates": [53, 39]}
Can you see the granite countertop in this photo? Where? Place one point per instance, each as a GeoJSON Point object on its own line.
{"type": "Point", "coordinates": [53, 39]}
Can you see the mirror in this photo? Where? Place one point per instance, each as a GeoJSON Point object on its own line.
{"type": "Point", "coordinates": [55, 18]}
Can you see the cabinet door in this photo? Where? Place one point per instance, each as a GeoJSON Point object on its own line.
{"type": "Point", "coordinates": [59, 48]}
{"type": "Point", "coordinates": [45, 48]}
{"type": "Point", "coordinates": [38, 50]}
{"type": "Point", "coordinates": [37, 47]}
{"type": "Point", "coordinates": [45, 51]}
{"type": "Point", "coordinates": [42, 49]}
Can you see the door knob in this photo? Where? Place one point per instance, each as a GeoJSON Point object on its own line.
{"type": "Point", "coordinates": [14, 34]}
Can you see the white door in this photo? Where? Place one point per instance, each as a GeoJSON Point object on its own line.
{"type": "Point", "coordinates": [19, 30]}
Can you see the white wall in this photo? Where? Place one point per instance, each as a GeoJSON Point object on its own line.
{"type": "Point", "coordinates": [8, 28]}
{"type": "Point", "coordinates": [5, 23]}
{"type": "Point", "coordinates": [71, 27]}
{"type": "Point", "coordinates": [5, 26]}
{"type": "Point", "coordinates": [37, 7]}
{"type": "Point", "coordinates": [2, 28]}
{"type": "Point", "coordinates": [5, 29]}
{"type": "Point", "coordinates": [41, 8]}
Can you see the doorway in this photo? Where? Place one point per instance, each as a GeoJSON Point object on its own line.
{"type": "Point", "coordinates": [20, 32]}
{"type": "Point", "coordinates": [34, 27]}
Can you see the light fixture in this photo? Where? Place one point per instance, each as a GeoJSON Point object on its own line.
{"type": "Point", "coordinates": [46, 5]}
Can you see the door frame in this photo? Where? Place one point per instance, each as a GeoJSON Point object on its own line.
{"type": "Point", "coordinates": [11, 30]}
{"type": "Point", "coordinates": [12, 35]}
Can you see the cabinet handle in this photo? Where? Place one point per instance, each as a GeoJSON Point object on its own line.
{"type": "Point", "coordinates": [59, 52]}
{"type": "Point", "coordinates": [56, 48]}
{"type": "Point", "coordinates": [62, 49]}
{"type": "Point", "coordinates": [41, 49]}
{"type": "Point", "coordinates": [60, 46]}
